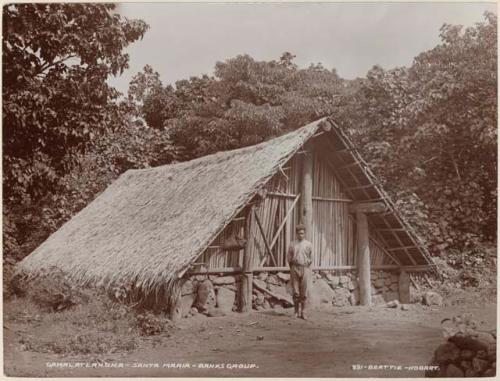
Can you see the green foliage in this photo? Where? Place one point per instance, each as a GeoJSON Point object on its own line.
{"type": "Point", "coordinates": [56, 104]}
{"type": "Point", "coordinates": [56, 59]}
{"type": "Point", "coordinates": [150, 324]}
{"type": "Point", "coordinates": [245, 103]}
{"type": "Point", "coordinates": [50, 292]}
{"type": "Point", "coordinates": [429, 131]}
{"type": "Point", "coordinates": [97, 326]}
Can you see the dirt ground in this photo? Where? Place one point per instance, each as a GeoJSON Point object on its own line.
{"type": "Point", "coordinates": [263, 344]}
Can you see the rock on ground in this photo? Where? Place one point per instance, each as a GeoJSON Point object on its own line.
{"type": "Point", "coordinates": [187, 303]}
{"type": "Point", "coordinates": [393, 304]}
{"type": "Point", "coordinates": [432, 298]}
{"type": "Point", "coordinates": [187, 287]}
{"type": "Point", "coordinates": [321, 293]}
{"type": "Point", "coordinates": [205, 296]}
{"type": "Point", "coordinates": [225, 299]}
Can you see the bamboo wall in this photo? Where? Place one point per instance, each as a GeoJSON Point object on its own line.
{"type": "Point", "coordinates": [215, 257]}
{"type": "Point", "coordinates": [334, 230]}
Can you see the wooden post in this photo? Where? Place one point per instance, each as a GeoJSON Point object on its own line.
{"type": "Point", "coordinates": [306, 204]}
{"type": "Point", "coordinates": [246, 283]}
{"type": "Point", "coordinates": [404, 287]}
{"type": "Point", "coordinates": [175, 312]}
{"type": "Point", "coordinates": [364, 281]}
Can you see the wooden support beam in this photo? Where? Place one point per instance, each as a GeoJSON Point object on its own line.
{"type": "Point", "coordinates": [175, 310]}
{"type": "Point", "coordinates": [247, 274]}
{"type": "Point", "coordinates": [366, 169]}
{"type": "Point", "coordinates": [393, 233]}
{"type": "Point", "coordinates": [284, 195]}
{"type": "Point", "coordinates": [284, 298]}
{"type": "Point", "coordinates": [261, 229]}
{"type": "Point", "coordinates": [380, 245]}
{"type": "Point", "coordinates": [363, 259]}
{"type": "Point", "coordinates": [314, 268]}
{"type": "Point", "coordinates": [390, 230]}
{"type": "Point", "coordinates": [374, 200]}
{"type": "Point", "coordinates": [236, 270]}
{"type": "Point", "coordinates": [368, 207]}
{"type": "Point", "coordinates": [353, 164]}
{"type": "Point", "coordinates": [406, 247]}
{"type": "Point", "coordinates": [382, 248]}
{"type": "Point", "coordinates": [403, 248]}
{"type": "Point", "coordinates": [219, 270]}
{"type": "Point", "coordinates": [332, 199]}
{"type": "Point", "coordinates": [358, 187]}
{"type": "Point", "coordinates": [306, 204]}
{"type": "Point", "coordinates": [404, 287]}
{"type": "Point", "coordinates": [288, 214]}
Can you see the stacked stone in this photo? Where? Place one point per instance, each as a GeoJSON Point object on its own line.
{"type": "Point", "coordinates": [278, 284]}
{"type": "Point", "coordinates": [216, 295]}
{"type": "Point", "coordinates": [327, 290]}
{"type": "Point", "coordinates": [344, 287]}
{"type": "Point", "coordinates": [209, 295]}
{"type": "Point", "coordinates": [466, 355]}
{"type": "Point", "coordinates": [385, 287]}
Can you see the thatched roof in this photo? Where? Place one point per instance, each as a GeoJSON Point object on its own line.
{"type": "Point", "coordinates": [150, 224]}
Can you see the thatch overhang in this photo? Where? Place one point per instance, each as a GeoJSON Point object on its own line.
{"type": "Point", "coordinates": [151, 224]}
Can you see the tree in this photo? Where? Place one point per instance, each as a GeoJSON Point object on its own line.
{"type": "Point", "coordinates": [56, 104]}
{"type": "Point", "coordinates": [431, 131]}
{"type": "Point", "coordinates": [152, 101]}
{"type": "Point", "coordinates": [56, 59]}
{"type": "Point", "coordinates": [246, 102]}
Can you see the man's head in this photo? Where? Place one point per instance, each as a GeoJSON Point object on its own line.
{"type": "Point", "coordinates": [300, 230]}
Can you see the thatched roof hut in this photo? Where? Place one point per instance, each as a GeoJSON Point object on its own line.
{"type": "Point", "coordinates": [151, 224]}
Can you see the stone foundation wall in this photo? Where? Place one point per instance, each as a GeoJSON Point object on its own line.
{"type": "Point", "coordinates": [385, 287]}
{"type": "Point", "coordinates": [210, 294]}
{"type": "Point", "coordinates": [216, 295]}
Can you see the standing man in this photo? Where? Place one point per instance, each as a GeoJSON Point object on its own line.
{"type": "Point", "coordinates": [300, 259]}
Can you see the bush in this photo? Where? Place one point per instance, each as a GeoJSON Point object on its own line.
{"type": "Point", "coordinates": [50, 290]}
{"type": "Point", "coordinates": [150, 324]}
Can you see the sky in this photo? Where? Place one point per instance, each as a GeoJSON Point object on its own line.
{"type": "Point", "coordinates": [187, 39]}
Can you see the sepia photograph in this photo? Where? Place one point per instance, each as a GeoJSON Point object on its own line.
{"type": "Point", "coordinates": [249, 190]}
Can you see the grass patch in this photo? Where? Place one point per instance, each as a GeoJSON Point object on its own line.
{"type": "Point", "coordinates": [97, 326]}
